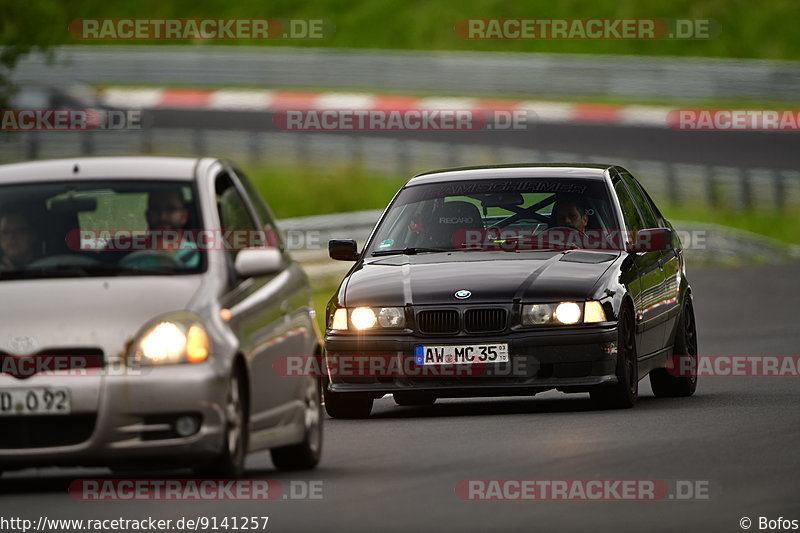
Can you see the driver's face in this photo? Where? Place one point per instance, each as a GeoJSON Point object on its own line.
{"type": "Point", "coordinates": [165, 211]}
{"type": "Point", "coordinates": [570, 215]}
{"type": "Point", "coordinates": [17, 238]}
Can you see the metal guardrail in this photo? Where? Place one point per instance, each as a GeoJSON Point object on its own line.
{"type": "Point", "coordinates": [667, 181]}
{"type": "Point", "coordinates": [474, 73]}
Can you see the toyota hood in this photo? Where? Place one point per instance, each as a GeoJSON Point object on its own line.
{"type": "Point", "coordinates": [96, 312]}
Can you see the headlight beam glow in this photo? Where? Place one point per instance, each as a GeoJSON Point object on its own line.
{"type": "Point", "coordinates": [164, 343]}
{"type": "Point", "coordinates": [568, 313]}
{"type": "Point", "coordinates": [363, 318]}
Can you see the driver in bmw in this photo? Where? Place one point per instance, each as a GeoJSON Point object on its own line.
{"type": "Point", "coordinates": [570, 212]}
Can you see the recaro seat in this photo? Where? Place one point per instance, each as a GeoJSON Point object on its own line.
{"type": "Point", "coordinates": [449, 222]}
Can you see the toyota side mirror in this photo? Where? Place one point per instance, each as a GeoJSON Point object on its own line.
{"type": "Point", "coordinates": [253, 262]}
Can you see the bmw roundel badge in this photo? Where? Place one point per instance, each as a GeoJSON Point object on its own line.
{"type": "Point", "coordinates": [463, 294]}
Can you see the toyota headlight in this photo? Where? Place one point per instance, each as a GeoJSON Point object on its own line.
{"type": "Point", "coordinates": [172, 340]}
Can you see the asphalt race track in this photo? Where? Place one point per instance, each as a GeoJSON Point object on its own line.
{"type": "Point", "coordinates": [398, 470]}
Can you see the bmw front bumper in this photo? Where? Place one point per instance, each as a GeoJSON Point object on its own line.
{"type": "Point", "coordinates": [568, 359]}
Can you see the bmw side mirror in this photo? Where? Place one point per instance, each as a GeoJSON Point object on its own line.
{"type": "Point", "coordinates": [252, 262]}
{"type": "Point", "coordinates": [652, 240]}
{"type": "Point", "coordinates": [343, 249]}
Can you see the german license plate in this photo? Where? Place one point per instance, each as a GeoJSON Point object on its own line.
{"type": "Point", "coordinates": [461, 354]}
{"type": "Point", "coordinates": [34, 401]}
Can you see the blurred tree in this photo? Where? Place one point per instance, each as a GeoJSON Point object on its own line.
{"type": "Point", "coordinates": [27, 26]}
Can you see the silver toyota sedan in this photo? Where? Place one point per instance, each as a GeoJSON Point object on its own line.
{"type": "Point", "coordinates": [145, 305]}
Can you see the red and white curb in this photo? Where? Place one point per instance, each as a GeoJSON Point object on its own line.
{"type": "Point", "coordinates": [267, 100]}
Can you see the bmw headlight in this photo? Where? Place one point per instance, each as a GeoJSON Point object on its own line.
{"type": "Point", "coordinates": [536, 314]}
{"type": "Point", "coordinates": [391, 317]}
{"type": "Point", "coordinates": [363, 318]}
{"type": "Point", "coordinates": [568, 312]}
{"type": "Point", "coordinates": [562, 313]}
{"type": "Point", "coordinates": [179, 338]}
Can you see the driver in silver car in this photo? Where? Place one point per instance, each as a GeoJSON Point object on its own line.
{"type": "Point", "coordinates": [20, 242]}
{"type": "Point", "coordinates": [167, 212]}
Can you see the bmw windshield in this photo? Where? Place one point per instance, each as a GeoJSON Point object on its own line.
{"type": "Point", "coordinates": [491, 214]}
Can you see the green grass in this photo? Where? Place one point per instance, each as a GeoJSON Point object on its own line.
{"type": "Point", "coordinates": [748, 29]}
{"type": "Point", "coordinates": [773, 224]}
{"type": "Point", "coordinates": [296, 192]}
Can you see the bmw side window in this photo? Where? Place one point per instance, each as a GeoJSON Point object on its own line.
{"type": "Point", "coordinates": [233, 212]}
{"type": "Point", "coordinates": [633, 220]}
{"type": "Point", "coordinates": [648, 215]}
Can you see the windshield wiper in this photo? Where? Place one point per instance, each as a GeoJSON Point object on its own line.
{"type": "Point", "coordinates": [411, 251]}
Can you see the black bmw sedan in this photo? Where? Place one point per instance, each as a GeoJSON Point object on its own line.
{"type": "Point", "coordinates": [512, 280]}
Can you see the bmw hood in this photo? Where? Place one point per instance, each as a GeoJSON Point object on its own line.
{"type": "Point", "coordinates": [490, 277]}
{"type": "Point", "coordinates": [96, 312]}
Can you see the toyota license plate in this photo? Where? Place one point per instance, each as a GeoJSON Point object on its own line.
{"type": "Point", "coordinates": [34, 401]}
